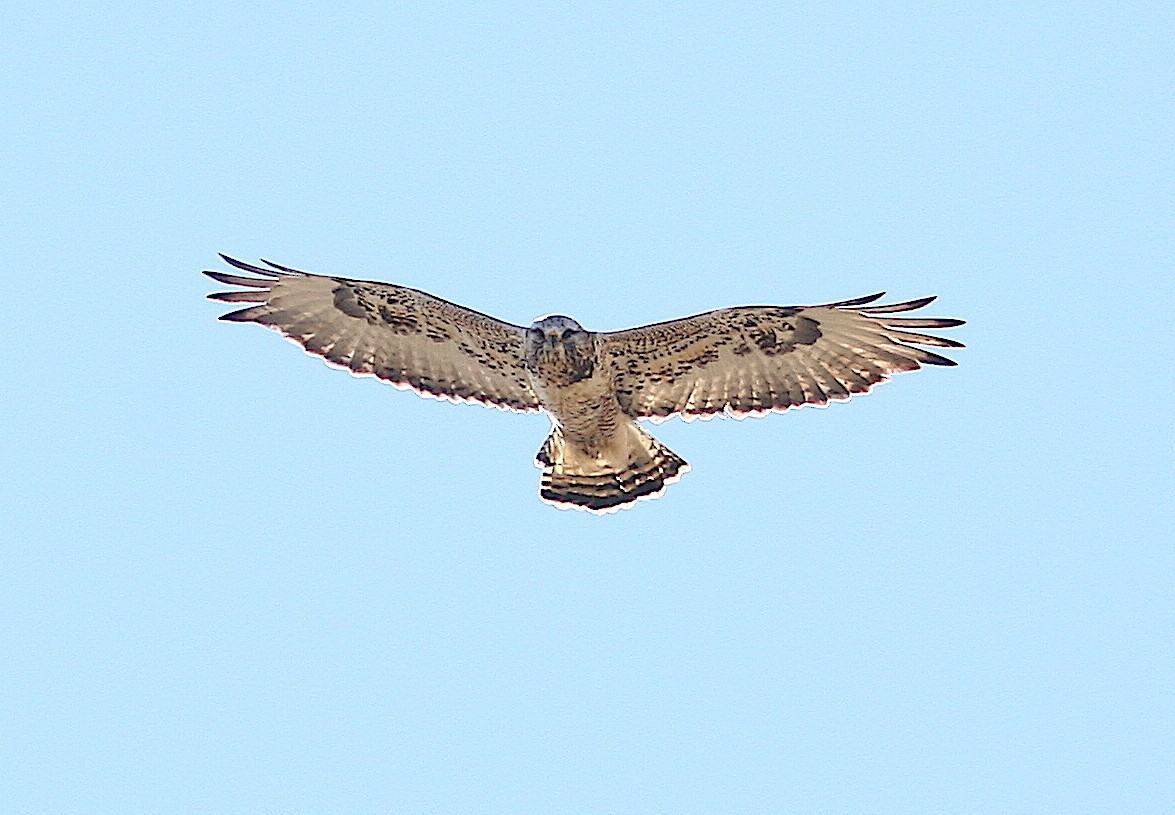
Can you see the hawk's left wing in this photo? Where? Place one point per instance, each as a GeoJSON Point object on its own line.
{"type": "Point", "coordinates": [751, 360]}
{"type": "Point", "coordinates": [401, 335]}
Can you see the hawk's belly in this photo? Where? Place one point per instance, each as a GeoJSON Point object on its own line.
{"type": "Point", "coordinates": [586, 411]}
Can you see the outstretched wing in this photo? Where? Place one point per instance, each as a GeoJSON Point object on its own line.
{"type": "Point", "coordinates": [751, 360]}
{"type": "Point", "coordinates": [403, 336]}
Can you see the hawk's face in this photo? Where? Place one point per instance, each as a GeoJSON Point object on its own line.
{"type": "Point", "coordinates": [559, 349]}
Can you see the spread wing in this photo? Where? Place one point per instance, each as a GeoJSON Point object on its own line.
{"type": "Point", "coordinates": [751, 360]}
{"type": "Point", "coordinates": [403, 336]}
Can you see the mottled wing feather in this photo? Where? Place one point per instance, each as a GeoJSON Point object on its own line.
{"type": "Point", "coordinates": [400, 335]}
{"type": "Point", "coordinates": [751, 360]}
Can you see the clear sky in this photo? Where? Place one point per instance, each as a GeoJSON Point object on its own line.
{"type": "Point", "coordinates": [233, 580]}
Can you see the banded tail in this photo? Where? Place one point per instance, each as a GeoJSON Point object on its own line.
{"type": "Point", "coordinates": [633, 466]}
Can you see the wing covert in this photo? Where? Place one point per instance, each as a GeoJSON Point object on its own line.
{"type": "Point", "coordinates": [400, 335]}
{"type": "Point", "coordinates": [751, 360]}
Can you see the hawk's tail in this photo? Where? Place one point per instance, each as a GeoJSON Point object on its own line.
{"type": "Point", "coordinates": [633, 466]}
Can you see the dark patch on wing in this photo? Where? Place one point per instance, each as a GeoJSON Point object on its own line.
{"type": "Point", "coordinates": [399, 323]}
{"type": "Point", "coordinates": [786, 336]}
{"type": "Point", "coordinates": [767, 342]}
{"type": "Point", "coordinates": [347, 300]}
{"type": "Point", "coordinates": [807, 331]}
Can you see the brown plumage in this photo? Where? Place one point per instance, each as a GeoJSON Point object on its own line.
{"type": "Point", "coordinates": [744, 361]}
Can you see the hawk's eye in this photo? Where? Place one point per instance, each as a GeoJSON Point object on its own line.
{"type": "Point", "coordinates": [568, 332]}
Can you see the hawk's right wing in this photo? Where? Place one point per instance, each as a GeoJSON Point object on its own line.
{"type": "Point", "coordinates": [751, 360]}
{"type": "Point", "coordinates": [403, 336]}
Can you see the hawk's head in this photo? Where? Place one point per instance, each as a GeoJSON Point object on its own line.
{"type": "Point", "coordinates": [559, 348]}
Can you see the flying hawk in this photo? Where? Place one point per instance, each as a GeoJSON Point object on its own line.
{"type": "Point", "coordinates": [745, 361]}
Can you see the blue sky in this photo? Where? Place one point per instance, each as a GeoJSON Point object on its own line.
{"type": "Point", "coordinates": [234, 580]}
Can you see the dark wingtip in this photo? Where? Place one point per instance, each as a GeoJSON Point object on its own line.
{"type": "Point", "coordinates": [243, 315]}
{"type": "Point", "coordinates": [281, 268]}
{"type": "Point", "coordinates": [238, 280]}
{"type": "Point", "coordinates": [921, 302]}
{"type": "Point", "coordinates": [246, 267]}
{"type": "Point", "coordinates": [248, 296]}
{"type": "Point", "coordinates": [855, 301]}
{"type": "Point", "coordinates": [931, 358]}
{"type": "Point", "coordinates": [895, 308]}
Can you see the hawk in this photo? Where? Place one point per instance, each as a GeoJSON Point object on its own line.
{"type": "Point", "coordinates": [744, 361]}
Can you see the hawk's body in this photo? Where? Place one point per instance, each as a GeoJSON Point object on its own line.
{"type": "Point", "coordinates": [596, 457]}
{"type": "Point", "coordinates": [745, 361]}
